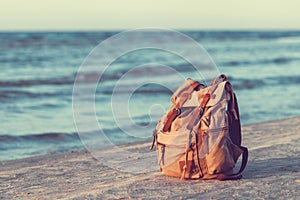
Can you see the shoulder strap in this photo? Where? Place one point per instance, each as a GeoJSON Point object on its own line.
{"type": "Point", "coordinates": [238, 175]}
{"type": "Point", "coordinates": [233, 110]}
{"type": "Point", "coordinates": [244, 160]}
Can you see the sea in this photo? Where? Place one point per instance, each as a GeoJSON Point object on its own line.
{"type": "Point", "coordinates": [40, 73]}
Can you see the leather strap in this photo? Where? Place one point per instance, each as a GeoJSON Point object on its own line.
{"type": "Point", "coordinates": [244, 160]}
{"type": "Point", "coordinates": [205, 99]}
{"type": "Point", "coordinates": [172, 114]}
{"type": "Point", "coordinates": [187, 94]}
{"type": "Point", "coordinates": [218, 78]}
{"type": "Point", "coordinates": [154, 134]}
{"type": "Point", "coordinates": [170, 118]}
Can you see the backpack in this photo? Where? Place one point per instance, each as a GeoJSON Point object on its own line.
{"type": "Point", "coordinates": [199, 137]}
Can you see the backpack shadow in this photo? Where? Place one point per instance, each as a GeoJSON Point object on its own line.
{"type": "Point", "coordinates": [271, 167]}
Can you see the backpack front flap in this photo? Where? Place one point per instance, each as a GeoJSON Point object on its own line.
{"type": "Point", "coordinates": [173, 143]}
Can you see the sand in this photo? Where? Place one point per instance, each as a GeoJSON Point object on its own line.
{"type": "Point", "coordinates": [273, 172]}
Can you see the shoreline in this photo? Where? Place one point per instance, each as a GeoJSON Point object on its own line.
{"type": "Point", "coordinates": [273, 171]}
{"type": "Point", "coordinates": [125, 144]}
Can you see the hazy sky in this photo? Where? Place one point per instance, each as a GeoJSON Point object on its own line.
{"type": "Point", "coordinates": [127, 14]}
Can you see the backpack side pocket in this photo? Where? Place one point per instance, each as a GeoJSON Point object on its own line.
{"type": "Point", "coordinates": [223, 156]}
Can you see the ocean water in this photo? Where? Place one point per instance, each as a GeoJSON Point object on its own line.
{"type": "Point", "coordinates": [38, 70]}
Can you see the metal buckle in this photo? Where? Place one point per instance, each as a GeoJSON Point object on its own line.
{"type": "Point", "coordinates": [201, 111]}
{"type": "Point", "coordinates": [178, 111]}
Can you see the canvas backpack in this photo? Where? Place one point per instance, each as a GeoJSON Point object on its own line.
{"type": "Point", "coordinates": [199, 137]}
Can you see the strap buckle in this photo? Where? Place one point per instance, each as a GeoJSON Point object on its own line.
{"type": "Point", "coordinates": [178, 111]}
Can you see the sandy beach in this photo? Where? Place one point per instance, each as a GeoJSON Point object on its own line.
{"type": "Point", "coordinates": [273, 172]}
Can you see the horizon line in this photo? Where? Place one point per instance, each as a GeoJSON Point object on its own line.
{"type": "Point", "coordinates": [176, 29]}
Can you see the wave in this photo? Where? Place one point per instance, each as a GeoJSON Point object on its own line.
{"type": "Point", "coordinates": [116, 135]}
{"type": "Point", "coordinates": [14, 147]}
{"type": "Point", "coordinates": [46, 137]}
{"type": "Point", "coordinates": [32, 82]}
{"type": "Point", "coordinates": [144, 71]}
{"type": "Point", "coordinates": [289, 40]}
{"type": "Point", "coordinates": [139, 92]}
{"type": "Point", "coordinates": [146, 89]}
{"type": "Point", "coordinates": [240, 35]}
{"type": "Point", "coordinates": [238, 83]}
{"type": "Point", "coordinates": [278, 61]}
{"type": "Point", "coordinates": [241, 84]}
{"type": "Point", "coordinates": [17, 94]}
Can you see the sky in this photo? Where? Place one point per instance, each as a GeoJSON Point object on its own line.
{"type": "Point", "coordinates": [128, 14]}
